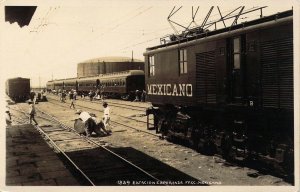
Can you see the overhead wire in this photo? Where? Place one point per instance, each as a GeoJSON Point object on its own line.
{"type": "Point", "coordinates": [121, 22]}
{"type": "Point", "coordinates": [167, 28]}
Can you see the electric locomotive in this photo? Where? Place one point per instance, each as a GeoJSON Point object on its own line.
{"type": "Point", "coordinates": [227, 91]}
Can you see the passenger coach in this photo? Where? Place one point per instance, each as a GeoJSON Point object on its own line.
{"type": "Point", "coordinates": [117, 85]}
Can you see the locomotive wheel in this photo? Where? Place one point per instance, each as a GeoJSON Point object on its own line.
{"type": "Point", "coordinates": [228, 152]}
{"type": "Point", "coordinates": [194, 143]}
{"type": "Point", "coordinates": [194, 140]}
{"type": "Point", "coordinates": [207, 148]}
{"type": "Point", "coordinates": [169, 136]}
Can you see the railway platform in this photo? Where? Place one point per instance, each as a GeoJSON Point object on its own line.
{"type": "Point", "coordinates": [30, 161]}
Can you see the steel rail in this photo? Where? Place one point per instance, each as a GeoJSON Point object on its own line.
{"type": "Point", "coordinates": [137, 129]}
{"type": "Point", "coordinates": [98, 145]}
{"type": "Point", "coordinates": [28, 116]}
{"type": "Point", "coordinates": [59, 149]}
{"type": "Point", "coordinates": [102, 111]}
{"type": "Point", "coordinates": [137, 108]}
{"type": "Point", "coordinates": [70, 160]}
{"type": "Point", "coordinates": [125, 124]}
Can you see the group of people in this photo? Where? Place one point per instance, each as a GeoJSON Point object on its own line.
{"type": "Point", "coordinates": [31, 113]}
{"type": "Point", "coordinates": [98, 94]}
{"type": "Point", "coordinates": [39, 96]}
{"type": "Point", "coordinates": [62, 95]}
{"type": "Point", "coordinates": [140, 96]}
{"type": "Point", "coordinates": [91, 124]}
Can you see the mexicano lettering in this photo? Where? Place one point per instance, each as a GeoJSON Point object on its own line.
{"type": "Point", "coordinates": [170, 89]}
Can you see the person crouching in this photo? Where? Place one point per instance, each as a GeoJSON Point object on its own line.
{"type": "Point", "coordinates": [90, 124]}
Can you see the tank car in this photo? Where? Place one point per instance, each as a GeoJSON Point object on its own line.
{"type": "Point", "coordinates": [228, 91]}
{"type": "Point", "coordinates": [18, 89]}
{"type": "Point", "coordinates": [103, 65]}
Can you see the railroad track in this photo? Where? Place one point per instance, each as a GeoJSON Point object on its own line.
{"type": "Point", "coordinates": [112, 122]}
{"type": "Point", "coordinates": [144, 114]}
{"type": "Point", "coordinates": [253, 165]}
{"type": "Point", "coordinates": [97, 164]}
{"type": "Point", "coordinates": [119, 104]}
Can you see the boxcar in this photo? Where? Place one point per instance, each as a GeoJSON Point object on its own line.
{"type": "Point", "coordinates": [18, 89]}
{"type": "Point", "coordinates": [228, 91]}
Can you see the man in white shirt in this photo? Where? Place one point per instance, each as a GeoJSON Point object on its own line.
{"type": "Point", "coordinates": [90, 124]}
{"type": "Point", "coordinates": [7, 117]}
{"type": "Point", "coordinates": [31, 112]}
{"type": "Point", "coordinates": [106, 116]}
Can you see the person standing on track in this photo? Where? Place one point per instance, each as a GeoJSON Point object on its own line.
{"type": "Point", "coordinates": [31, 112]}
{"type": "Point", "coordinates": [71, 96]}
{"type": "Point", "coordinates": [7, 117]}
{"type": "Point", "coordinates": [106, 116]}
{"type": "Point", "coordinates": [64, 96]}
{"type": "Point", "coordinates": [75, 95]}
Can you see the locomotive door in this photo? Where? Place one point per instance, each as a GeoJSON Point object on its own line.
{"type": "Point", "coordinates": [236, 68]}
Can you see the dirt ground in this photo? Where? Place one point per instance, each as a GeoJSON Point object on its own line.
{"type": "Point", "coordinates": [211, 169]}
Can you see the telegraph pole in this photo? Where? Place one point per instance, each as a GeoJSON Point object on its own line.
{"type": "Point", "coordinates": [40, 82]}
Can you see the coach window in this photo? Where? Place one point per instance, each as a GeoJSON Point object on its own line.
{"type": "Point", "coordinates": [236, 53]}
{"type": "Point", "coordinates": [183, 61]}
{"type": "Point", "coordinates": [151, 66]}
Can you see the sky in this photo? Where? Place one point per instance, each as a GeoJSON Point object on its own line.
{"type": "Point", "coordinates": [62, 34]}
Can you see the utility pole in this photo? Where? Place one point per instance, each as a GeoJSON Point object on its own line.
{"type": "Point", "coordinates": [40, 82]}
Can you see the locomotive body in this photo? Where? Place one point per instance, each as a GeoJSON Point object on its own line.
{"type": "Point", "coordinates": [228, 91]}
{"type": "Point", "coordinates": [118, 85]}
{"type": "Point", "coordinates": [18, 89]}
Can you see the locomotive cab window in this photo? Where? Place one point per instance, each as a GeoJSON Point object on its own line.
{"type": "Point", "coordinates": [183, 61]}
{"type": "Point", "coordinates": [151, 66]}
{"type": "Point", "coordinates": [236, 53]}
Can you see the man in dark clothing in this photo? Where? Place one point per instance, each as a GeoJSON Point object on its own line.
{"type": "Point", "coordinates": [143, 96]}
{"type": "Point", "coordinates": [32, 95]}
{"type": "Point", "coordinates": [71, 96]}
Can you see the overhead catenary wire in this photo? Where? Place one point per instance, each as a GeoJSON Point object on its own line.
{"type": "Point", "coordinates": [156, 38]}
{"type": "Point", "coordinates": [123, 20]}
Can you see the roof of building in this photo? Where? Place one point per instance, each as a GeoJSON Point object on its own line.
{"type": "Point", "coordinates": [111, 59]}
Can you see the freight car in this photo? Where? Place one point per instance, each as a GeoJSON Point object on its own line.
{"type": "Point", "coordinates": [18, 89]}
{"type": "Point", "coordinates": [115, 85]}
{"type": "Point", "coordinates": [228, 91]}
